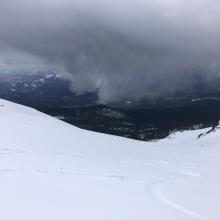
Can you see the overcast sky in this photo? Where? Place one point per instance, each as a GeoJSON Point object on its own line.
{"type": "Point", "coordinates": [129, 49]}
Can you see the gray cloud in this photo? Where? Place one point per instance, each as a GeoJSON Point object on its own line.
{"type": "Point", "coordinates": [124, 48]}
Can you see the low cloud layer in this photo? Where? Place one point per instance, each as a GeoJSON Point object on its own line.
{"type": "Point", "coordinates": [128, 49]}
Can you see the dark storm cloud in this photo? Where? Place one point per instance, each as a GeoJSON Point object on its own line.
{"type": "Point", "coordinates": [124, 49]}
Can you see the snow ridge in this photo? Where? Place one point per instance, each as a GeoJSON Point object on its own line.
{"type": "Point", "coordinates": [52, 170]}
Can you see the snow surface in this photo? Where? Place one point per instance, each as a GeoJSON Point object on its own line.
{"type": "Point", "coordinates": [52, 170]}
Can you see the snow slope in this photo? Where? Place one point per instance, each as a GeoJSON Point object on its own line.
{"type": "Point", "coordinates": [52, 170]}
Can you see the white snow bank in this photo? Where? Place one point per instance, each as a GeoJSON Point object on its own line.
{"type": "Point", "coordinates": [52, 170]}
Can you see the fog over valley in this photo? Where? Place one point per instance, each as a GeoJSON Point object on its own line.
{"type": "Point", "coordinates": [122, 49]}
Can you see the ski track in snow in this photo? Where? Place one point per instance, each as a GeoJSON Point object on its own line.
{"type": "Point", "coordinates": [164, 200]}
{"type": "Point", "coordinates": [153, 189]}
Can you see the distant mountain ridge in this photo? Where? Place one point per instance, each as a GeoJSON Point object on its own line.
{"type": "Point", "coordinates": [41, 87]}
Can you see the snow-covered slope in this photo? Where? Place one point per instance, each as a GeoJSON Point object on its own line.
{"type": "Point", "coordinates": [52, 170]}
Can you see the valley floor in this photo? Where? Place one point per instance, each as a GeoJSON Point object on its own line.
{"type": "Point", "coordinates": [52, 170]}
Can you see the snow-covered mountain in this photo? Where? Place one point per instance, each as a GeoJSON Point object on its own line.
{"type": "Point", "coordinates": [40, 87]}
{"type": "Point", "coordinates": [52, 170]}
